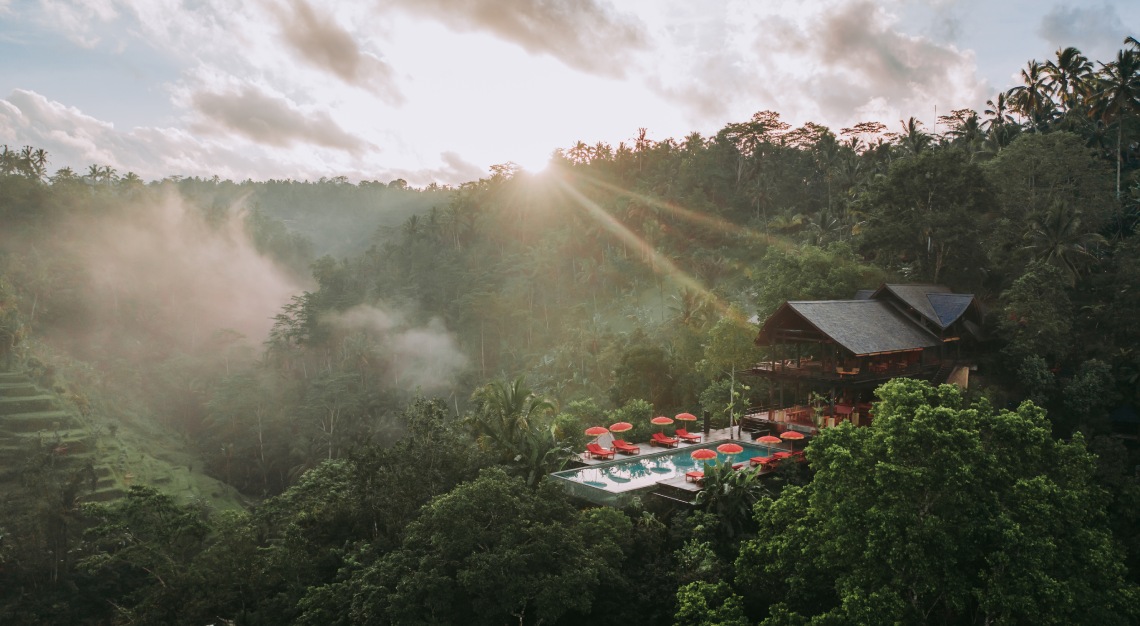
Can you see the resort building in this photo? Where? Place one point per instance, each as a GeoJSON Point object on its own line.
{"type": "Point", "coordinates": [828, 356]}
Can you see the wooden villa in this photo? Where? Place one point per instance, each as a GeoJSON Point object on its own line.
{"type": "Point", "coordinates": [828, 356]}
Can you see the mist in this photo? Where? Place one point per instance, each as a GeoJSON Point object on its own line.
{"type": "Point", "coordinates": [159, 275]}
{"type": "Point", "coordinates": [423, 357]}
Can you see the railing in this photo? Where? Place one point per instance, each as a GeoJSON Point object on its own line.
{"type": "Point", "coordinates": [814, 370]}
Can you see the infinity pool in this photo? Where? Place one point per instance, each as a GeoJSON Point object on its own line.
{"type": "Point", "coordinates": [633, 473]}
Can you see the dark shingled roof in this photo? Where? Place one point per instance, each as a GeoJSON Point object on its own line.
{"type": "Point", "coordinates": [864, 294]}
{"type": "Point", "coordinates": [949, 306]}
{"type": "Point", "coordinates": [864, 326]}
{"type": "Point", "coordinates": [934, 302]}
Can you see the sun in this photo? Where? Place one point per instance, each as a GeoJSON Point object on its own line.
{"type": "Point", "coordinates": [533, 162]}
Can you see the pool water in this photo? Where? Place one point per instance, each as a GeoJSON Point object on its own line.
{"type": "Point", "coordinates": [634, 473]}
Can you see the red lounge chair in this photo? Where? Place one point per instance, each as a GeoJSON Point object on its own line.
{"type": "Point", "coordinates": [781, 455]}
{"type": "Point", "coordinates": [687, 436]}
{"type": "Point", "coordinates": [625, 447]}
{"type": "Point", "coordinates": [661, 440]}
{"type": "Point", "coordinates": [694, 476]}
{"type": "Point", "coordinates": [737, 466]}
{"type": "Point", "coordinates": [598, 452]}
{"type": "Point", "coordinates": [761, 460]}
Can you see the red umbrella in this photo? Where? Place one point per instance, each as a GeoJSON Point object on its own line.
{"type": "Point", "coordinates": [661, 420]}
{"type": "Point", "coordinates": [597, 431]}
{"type": "Point", "coordinates": [620, 427]}
{"type": "Point", "coordinates": [768, 440]}
{"type": "Point", "coordinates": [730, 448]}
{"type": "Point", "coordinates": [792, 435]}
{"type": "Point", "coordinates": [703, 454]}
{"type": "Point", "coordinates": [686, 417]}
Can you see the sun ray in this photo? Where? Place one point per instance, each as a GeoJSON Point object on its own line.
{"type": "Point", "coordinates": [659, 263]}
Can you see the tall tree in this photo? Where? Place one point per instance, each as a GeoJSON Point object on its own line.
{"type": "Point", "coordinates": [941, 512]}
{"type": "Point", "coordinates": [1117, 97]}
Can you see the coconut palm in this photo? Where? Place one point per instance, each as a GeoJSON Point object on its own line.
{"type": "Point", "coordinates": [1058, 238]}
{"type": "Point", "coordinates": [1116, 96]}
{"type": "Point", "coordinates": [1033, 98]}
{"type": "Point", "coordinates": [913, 139]}
{"type": "Point", "coordinates": [1069, 75]}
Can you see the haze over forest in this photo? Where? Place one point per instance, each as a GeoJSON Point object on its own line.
{"type": "Point", "coordinates": [338, 400]}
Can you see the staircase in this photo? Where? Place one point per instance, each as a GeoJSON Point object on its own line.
{"type": "Point", "coordinates": [37, 430]}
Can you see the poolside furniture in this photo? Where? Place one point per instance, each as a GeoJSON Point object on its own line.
{"type": "Point", "coordinates": [687, 436]}
{"type": "Point", "coordinates": [737, 466]}
{"type": "Point", "coordinates": [762, 460]}
{"type": "Point", "coordinates": [596, 451]}
{"type": "Point", "coordinates": [625, 447]}
{"type": "Point", "coordinates": [695, 476]}
{"type": "Point", "coordinates": [659, 439]}
{"type": "Point", "coordinates": [781, 455]}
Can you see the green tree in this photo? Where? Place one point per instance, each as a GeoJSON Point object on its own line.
{"type": "Point", "coordinates": [1116, 97]}
{"type": "Point", "coordinates": [1036, 316]}
{"type": "Point", "coordinates": [941, 513]}
{"type": "Point", "coordinates": [490, 551]}
{"type": "Point", "coordinates": [926, 217]}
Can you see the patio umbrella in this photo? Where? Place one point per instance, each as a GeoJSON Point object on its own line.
{"type": "Point", "coordinates": [792, 435]}
{"type": "Point", "coordinates": [661, 420]}
{"type": "Point", "coordinates": [730, 448]}
{"type": "Point", "coordinates": [620, 427]}
{"type": "Point", "coordinates": [703, 454]}
{"type": "Point", "coordinates": [769, 440]}
{"type": "Point", "coordinates": [597, 431]}
{"type": "Point", "coordinates": [685, 417]}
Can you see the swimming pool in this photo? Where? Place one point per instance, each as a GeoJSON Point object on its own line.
{"type": "Point", "coordinates": [631, 474]}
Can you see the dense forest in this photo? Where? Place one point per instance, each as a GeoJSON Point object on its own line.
{"type": "Point", "coordinates": [334, 403]}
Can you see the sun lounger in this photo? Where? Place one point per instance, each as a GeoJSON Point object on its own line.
{"type": "Point", "coordinates": [598, 452]}
{"type": "Point", "coordinates": [766, 461]}
{"type": "Point", "coordinates": [625, 447]}
{"type": "Point", "coordinates": [687, 436]}
{"type": "Point", "coordinates": [660, 439]}
{"type": "Point", "coordinates": [694, 476]}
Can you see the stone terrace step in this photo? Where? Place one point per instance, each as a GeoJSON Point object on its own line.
{"type": "Point", "coordinates": [104, 495]}
{"type": "Point", "coordinates": [47, 421]}
{"type": "Point", "coordinates": [14, 377]}
{"type": "Point", "coordinates": [17, 390]}
{"type": "Point", "coordinates": [26, 404]}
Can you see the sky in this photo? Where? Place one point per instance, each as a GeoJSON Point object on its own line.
{"type": "Point", "coordinates": [440, 90]}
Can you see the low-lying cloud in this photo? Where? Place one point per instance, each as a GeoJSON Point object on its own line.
{"type": "Point", "coordinates": [424, 357]}
{"type": "Point", "coordinates": [159, 277]}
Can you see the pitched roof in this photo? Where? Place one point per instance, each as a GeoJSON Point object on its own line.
{"type": "Point", "coordinates": [864, 326]}
{"type": "Point", "coordinates": [934, 302]}
{"type": "Point", "coordinates": [949, 306]}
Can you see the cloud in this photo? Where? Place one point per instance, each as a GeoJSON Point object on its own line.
{"type": "Point", "coordinates": [323, 43]}
{"type": "Point", "coordinates": [1088, 28]}
{"type": "Point", "coordinates": [271, 120]}
{"type": "Point", "coordinates": [855, 63]}
{"type": "Point", "coordinates": [424, 357]}
{"type": "Point", "coordinates": [586, 34]}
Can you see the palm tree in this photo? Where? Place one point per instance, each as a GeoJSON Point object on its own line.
{"type": "Point", "coordinates": [1116, 96]}
{"type": "Point", "coordinates": [1069, 75]}
{"type": "Point", "coordinates": [998, 112]}
{"type": "Point", "coordinates": [913, 139]}
{"type": "Point", "coordinates": [1033, 99]}
{"type": "Point", "coordinates": [1058, 238]}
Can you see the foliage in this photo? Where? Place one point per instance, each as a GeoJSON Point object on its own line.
{"type": "Point", "coordinates": [488, 551]}
{"type": "Point", "coordinates": [941, 512]}
{"type": "Point", "coordinates": [810, 273]}
{"type": "Point", "coordinates": [1036, 317]}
